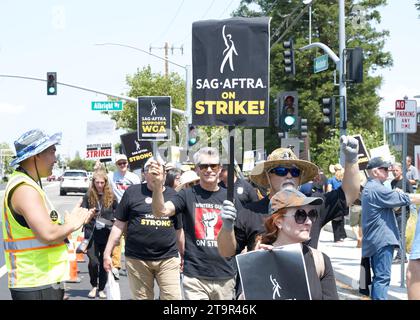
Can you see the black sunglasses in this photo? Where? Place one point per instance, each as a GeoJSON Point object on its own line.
{"type": "Point", "coordinates": [213, 166]}
{"type": "Point", "coordinates": [282, 171]}
{"type": "Point", "coordinates": [385, 168]}
{"type": "Point", "coordinates": [301, 215]}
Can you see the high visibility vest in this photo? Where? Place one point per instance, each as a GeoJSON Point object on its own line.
{"type": "Point", "coordinates": [31, 263]}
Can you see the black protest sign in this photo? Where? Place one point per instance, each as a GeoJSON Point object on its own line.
{"type": "Point", "coordinates": [231, 72]}
{"type": "Point", "coordinates": [363, 156]}
{"type": "Point", "coordinates": [154, 118]}
{"type": "Point", "coordinates": [137, 152]}
{"type": "Point", "coordinates": [277, 274]}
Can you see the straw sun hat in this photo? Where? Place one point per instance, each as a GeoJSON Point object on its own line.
{"type": "Point", "coordinates": [186, 178]}
{"type": "Point", "coordinates": [285, 157]}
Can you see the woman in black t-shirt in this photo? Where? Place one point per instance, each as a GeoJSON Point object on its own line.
{"type": "Point", "coordinates": [292, 215]}
{"type": "Point", "coordinates": [101, 197]}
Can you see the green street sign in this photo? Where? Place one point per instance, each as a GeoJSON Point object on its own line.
{"type": "Point", "coordinates": [107, 105]}
{"type": "Point", "coordinates": [321, 63]}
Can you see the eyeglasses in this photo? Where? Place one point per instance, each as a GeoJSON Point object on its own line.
{"type": "Point", "coordinates": [301, 215]}
{"type": "Point", "coordinates": [282, 171]}
{"type": "Point", "coordinates": [213, 166]}
{"type": "Point", "coordinates": [121, 163]}
{"type": "Point", "coordinates": [385, 168]}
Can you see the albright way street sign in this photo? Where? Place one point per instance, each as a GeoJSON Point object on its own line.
{"type": "Point", "coordinates": [107, 105]}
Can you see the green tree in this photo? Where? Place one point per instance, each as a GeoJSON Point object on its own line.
{"type": "Point", "coordinates": [79, 163]}
{"type": "Point", "coordinates": [6, 156]}
{"type": "Point", "coordinates": [362, 100]}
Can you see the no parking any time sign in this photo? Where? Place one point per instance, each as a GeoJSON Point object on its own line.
{"type": "Point", "coordinates": [406, 116]}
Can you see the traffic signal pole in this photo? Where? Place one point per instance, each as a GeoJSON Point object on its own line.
{"type": "Point", "coordinates": [177, 111]}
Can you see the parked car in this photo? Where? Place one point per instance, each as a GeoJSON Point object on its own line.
{"type": "Point", "coordinates": [74, 181]}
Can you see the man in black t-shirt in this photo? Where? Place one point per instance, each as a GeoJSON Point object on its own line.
{"type": "Point", "coordinates": [397, 183]}
{"type": "Point", "coordinates": [243, 189]}
{"type": "Point", "coordinates": [207, 275]}
{"type": "Point", "coordinates": [150, 248]}
{"type": "Point", "coordinates": [283, 169]}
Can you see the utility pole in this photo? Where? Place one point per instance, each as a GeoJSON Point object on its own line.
{"type": "Point", "coordinates": [166, 48]}
{"type": "Point", "coordinates": [340, 63]}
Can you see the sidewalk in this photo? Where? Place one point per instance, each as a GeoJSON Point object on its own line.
{"type": "Point", "coordinates": [345, 258]}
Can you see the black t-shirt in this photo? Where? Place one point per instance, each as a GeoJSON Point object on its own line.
{"type": "Point", "coordinates": [323, 288]}
{"type": "Point", "coordinates": [244, 191]}
{"type": "Point", "coordinates": [334, 206]}
{"type": "Point", "coordinates": [201, 210]}
{"type": "Point", "coordinates": [148, 237]}
{"type": "Point", "coordinates": [408, 188]}
{"type": "Point", "coordinates": [106, 217]}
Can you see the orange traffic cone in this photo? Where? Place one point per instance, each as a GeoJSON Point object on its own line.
{"type": "Point", "coordinates": [80, 257]}
{"type": "Point", "coordinates": [73, 262]}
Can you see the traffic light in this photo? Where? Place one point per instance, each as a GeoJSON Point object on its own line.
{"type": "Point", "coordinates": [288, 110]}
{"type": "Point", "coordinates": [354, 65]}
{"type": "Point", "coordinates": [51, 83]}
{"type": "Point", "coordinates": [289, 57]}
{"type": "Point", "coordinates": [303, 127]}
{"type": "Point", "coordinates": [192, 136]}
{"type": "Point", "coordinates": [328, 109]}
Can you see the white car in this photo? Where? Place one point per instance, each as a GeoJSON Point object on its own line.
{"type": "Point", "coordinates": [74, 181]}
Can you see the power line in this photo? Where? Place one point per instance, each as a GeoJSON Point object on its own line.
{"type": "Point", "coordinates": [172, 21]}
{"type": "Point", "coordinates": [208, 9]}
{"type": "Point", "coordinates": [230, 3]}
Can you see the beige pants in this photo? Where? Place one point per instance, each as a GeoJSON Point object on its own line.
{"type": "Point", "coordinates": [116, 254]}
{"type": "Point", "coordinates": [142, 273]}
{"type": "Point", "coordinates": [201, 289]}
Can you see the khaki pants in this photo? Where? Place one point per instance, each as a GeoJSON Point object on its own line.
{"type": "Point", "coordinates": [142, 273]}
{"type": "Point", "coordinates": [201, 289]}
{"type": "Point", "coordinates": [116, 254]}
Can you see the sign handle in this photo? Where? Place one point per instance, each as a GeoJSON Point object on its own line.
{"type": "Point", "coordinates": [231, 164]}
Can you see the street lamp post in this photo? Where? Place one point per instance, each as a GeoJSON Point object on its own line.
{"type": "Point", "coordinates": [187, 68]}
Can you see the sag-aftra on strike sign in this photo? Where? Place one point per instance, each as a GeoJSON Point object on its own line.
{"type": "Point", "coordinates": [230, 72]}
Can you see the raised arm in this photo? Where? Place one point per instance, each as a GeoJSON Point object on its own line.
{"type": "Point", "coordinates": [159, 207]}
{"type": "Point", "coordinates": [351, 179]}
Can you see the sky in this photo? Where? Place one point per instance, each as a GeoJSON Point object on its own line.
{"type": "Point", "coordinates": [62, 36]}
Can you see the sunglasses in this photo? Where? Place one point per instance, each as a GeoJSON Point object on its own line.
{"type": "Point", "coordinates": [122, 163]}
{"type": "Point", "coordinates": [212, 166]}
{"type": "Point", "coordinates": [282, 171]}
{"type": "Point", "coordinates": [385, 168]}
{"type": "Point", "coordinates": [301, 215]}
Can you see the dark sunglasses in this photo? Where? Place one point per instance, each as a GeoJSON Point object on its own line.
{"type": "Point", "coordinates": [213, 166]}
{"type": "Point", "coordinates": [282, 171]}
{"type": "Point", "coordinates": [301, 215]}
{"type": "Point", "coordinates": [121, 163]}
{"type": "Point", "coordinates": [385, 168]}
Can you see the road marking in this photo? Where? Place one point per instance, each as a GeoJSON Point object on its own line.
{"type": "Point", "coordinates": [3, 271]}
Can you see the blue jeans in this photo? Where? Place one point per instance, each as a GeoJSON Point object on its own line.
{"type": "Point", "coordinates": [381, 263]}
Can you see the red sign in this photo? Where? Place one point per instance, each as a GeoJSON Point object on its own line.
{"type": "Point", "coordinates": [399, 104]}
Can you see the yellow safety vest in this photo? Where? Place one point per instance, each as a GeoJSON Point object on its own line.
{"type": "Point", "coordinates": [31, 263]}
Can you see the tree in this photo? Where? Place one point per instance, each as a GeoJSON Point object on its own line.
{"type": "Point", "coordinates": [79, 163]}
{"type": "Point", "coordinates": [6, 156]}
{"type": "Point", "coordinates": [362, 100]}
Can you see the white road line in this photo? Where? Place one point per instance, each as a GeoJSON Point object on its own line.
{"type": "Point", "coordinates": [3, 271]}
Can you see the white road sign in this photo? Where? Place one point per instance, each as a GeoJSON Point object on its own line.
{"type": "Point", "coordinates": [406, 116]}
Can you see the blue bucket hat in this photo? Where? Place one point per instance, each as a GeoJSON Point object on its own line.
{"type": "Point", "coordinates": [32, 143]}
